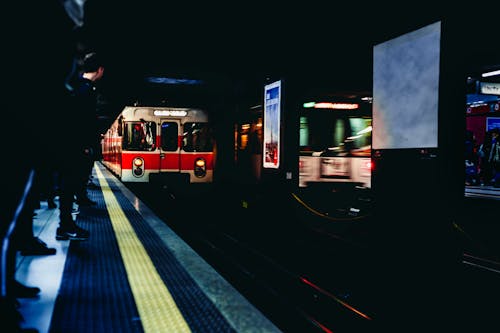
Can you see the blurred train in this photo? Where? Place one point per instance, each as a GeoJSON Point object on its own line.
{"type": "Point", "coordinates": [149, 144]}
{"type": "Point", "coordinates": [335, 142]}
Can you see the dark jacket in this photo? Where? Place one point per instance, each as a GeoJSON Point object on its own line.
{"type": "Point", "coordinates": [84, 102]}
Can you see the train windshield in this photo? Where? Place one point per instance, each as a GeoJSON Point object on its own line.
{"type": "Point", "coordinates": [197, 136]}
{"type": "Point", "coordinates": [326, 134]}
{"type": "Point", "coordinates": [139, 135]}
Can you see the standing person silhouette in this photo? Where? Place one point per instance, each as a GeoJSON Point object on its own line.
{"type": "Point", "coordinates": [86, 90]}
{"type": "Point", "coordinates": [484, 156]}
{"type": "Point", "coordinates": [494, 157]}
{"type": "Point", "coordinates": [78, 167]}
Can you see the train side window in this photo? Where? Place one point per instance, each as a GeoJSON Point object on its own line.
{"type": "Point", "coordinates": [120, 126]}
{"type": "Point", "coordinates": [169, 135]}
{"type": "Point", "coordinates": [361, 136]}
{"type": "Point", "coordinates": [317, 133]}
{"type": "Point", "coordinates": [304, 135]}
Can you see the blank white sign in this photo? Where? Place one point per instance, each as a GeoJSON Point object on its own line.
{"type": "Point", "coordinates": [406, 90]}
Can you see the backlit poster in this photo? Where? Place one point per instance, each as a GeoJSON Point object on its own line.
{"type": "Point", "coordinates": [406, 90]}
{"type": "Point", "coordinates": [272, 116]}
{"type": "Point", "coordinates": [492, 122]}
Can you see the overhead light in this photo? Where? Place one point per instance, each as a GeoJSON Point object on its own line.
{"type": "Point", "coordinates": [493, 73]}
{"type": "Point", "coordinates": [328, 105]}
{"type": "Point", "coordinates": [341, 106]}
{"type": "Point", "coordinates": [173, 81]}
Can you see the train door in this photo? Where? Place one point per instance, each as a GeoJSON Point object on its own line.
{"type": "Point", "coordinates": [170, 143]}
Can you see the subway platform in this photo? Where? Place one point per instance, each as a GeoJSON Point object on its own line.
{"type": "Point", "coordinates": [134, 274]}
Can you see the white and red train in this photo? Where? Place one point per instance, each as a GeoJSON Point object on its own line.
{"type": "Point", "coordinates": [145, 142]}
{"type": "Point", "coordinates": [335, 143]}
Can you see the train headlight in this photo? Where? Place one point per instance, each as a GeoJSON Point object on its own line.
{"type": "Point", "coordinates": [138, 167]}
{"type": "Point", "coordinates": [200, 167]}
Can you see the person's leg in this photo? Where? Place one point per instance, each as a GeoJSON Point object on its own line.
{"type": "Point", "coordinates": [496, 174]}
{"type": "Point", "coordinates": [24, 238]}
{"type": "Point", "coordinates": [85, 172]}
{"type": "Point", "coordinates": [52, 188]}
{"type": "Point", "coordinates": [68, 229]}
{"type": "Point", "coordinates": [66, 197]}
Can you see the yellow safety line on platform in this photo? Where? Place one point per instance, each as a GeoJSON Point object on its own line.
{"type": "Point", "coordinates": [155, 304]}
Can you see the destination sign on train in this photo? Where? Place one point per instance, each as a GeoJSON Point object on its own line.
{"type": "Point", "coordinates": [175, 113]}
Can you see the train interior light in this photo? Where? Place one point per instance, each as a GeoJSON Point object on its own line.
{"type": "Point", "coordinates": [492, 73]}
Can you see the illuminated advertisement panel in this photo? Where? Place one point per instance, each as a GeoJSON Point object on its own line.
{"type": "Point", "coordinates": [405, 90]}
{"type": "Point", "coordinates": [489, 88]}
{"type": "Point", "coordinates": [272, 115]}
{"type": "Point", "coordinates": [492, 122]}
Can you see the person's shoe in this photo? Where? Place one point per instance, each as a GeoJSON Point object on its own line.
{"type": "Point", "coordinates": [51, 204]}
{"type": "Point", "coordinates": [72, 233]}
{"type": "Point", "coordinates": [27, 330]}
{"type": "Point", "coordinates": [37, 247]}
{"type": "Point", "coordinates": [85, 201]}
{"type": "Point", "coordinates": [19, 290]}
{"type": "Point", "coordinates": [12, 318]}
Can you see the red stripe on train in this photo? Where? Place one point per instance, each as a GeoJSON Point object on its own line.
{"type": "Point", "coordinates": [170, 161]}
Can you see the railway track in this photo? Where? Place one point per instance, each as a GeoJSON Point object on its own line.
{"type": "Point", "coordinates": [303, 279]}
{"type": "Point", "coordinates": [271, 267]}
